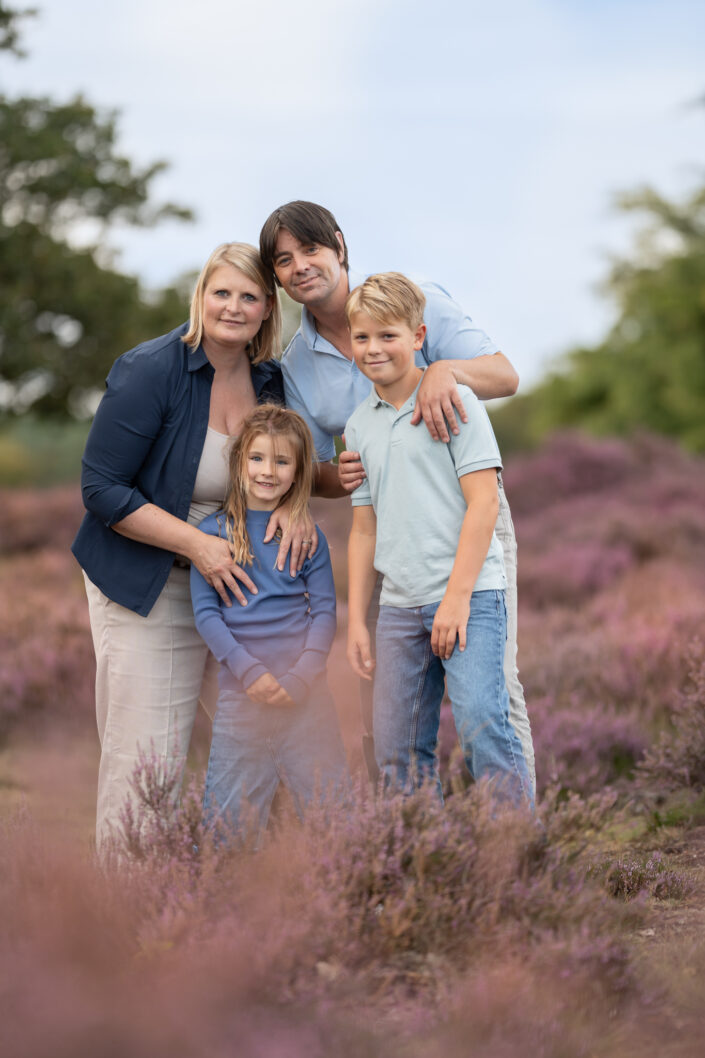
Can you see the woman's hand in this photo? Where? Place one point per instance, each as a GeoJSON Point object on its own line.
{"type": "Point", "coordinates": [359, 652]}
{"type": "Point", "coordinates": [266, 690]}
{"type": "Point", "coordinates": [299, 539]}
{"type": "Point", "coordinates": [213, 559]}
{"type": "Point", "coordinates": [449, 624]}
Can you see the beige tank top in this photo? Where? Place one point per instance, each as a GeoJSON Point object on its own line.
{"type": "Point", "coordinates": [211, 478]}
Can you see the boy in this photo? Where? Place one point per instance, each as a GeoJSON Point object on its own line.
{"type": "Point", "coordinates": [424, 517]}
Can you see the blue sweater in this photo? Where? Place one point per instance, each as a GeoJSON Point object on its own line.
{"type": "Point", "coordinates": [286, 629]}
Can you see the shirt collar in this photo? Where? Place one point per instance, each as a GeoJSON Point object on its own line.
{"type": "Point", "coordinates": [375, 401]}
{"type": "Point", "coordinates": [308, 324]}
{"type": "Point", "coordinates": [198, 359]}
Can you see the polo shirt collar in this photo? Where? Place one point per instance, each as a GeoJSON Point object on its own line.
{"type": "Point", "coordinates": [308, 324]}
{"type": "Point", "coordinates": [375, 401]}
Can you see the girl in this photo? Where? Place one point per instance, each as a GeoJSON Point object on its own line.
{"type": "Point", "coordinates": [275, 718]}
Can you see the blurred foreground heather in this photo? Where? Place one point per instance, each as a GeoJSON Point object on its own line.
{"type": "Point", "coordinates": [388, 928]}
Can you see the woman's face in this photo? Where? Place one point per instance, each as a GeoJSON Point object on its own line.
{"type": "Point", "coordinates": [234, 308]}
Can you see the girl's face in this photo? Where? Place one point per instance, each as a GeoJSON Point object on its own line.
{"type": "Point", "coordinates": [270, 471]}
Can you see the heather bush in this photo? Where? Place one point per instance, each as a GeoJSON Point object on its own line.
{"type": "Point", "coordinates": [678, 758]}
{"type": "Point", "coordinates": [584, 748]}
{"type": "Point", "coordinates": [47, 669]}
{"type": "Point", "coordinates": [35, 518]}
{"type": "Point", "coordinates": [627, 877]}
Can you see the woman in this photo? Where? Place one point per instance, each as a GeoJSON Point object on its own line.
{"type": "Point", "coordinates": [154, 467]}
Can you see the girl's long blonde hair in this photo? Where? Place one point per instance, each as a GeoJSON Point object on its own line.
{"type": "Point", "coordinates": [276, 422]}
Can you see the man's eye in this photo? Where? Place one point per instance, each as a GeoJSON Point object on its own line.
{"type": "Point", "coordinates": [313, 248]}
{"type": "Point", "coordinates": [282, 262]}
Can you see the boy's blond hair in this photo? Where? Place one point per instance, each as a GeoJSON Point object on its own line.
{"type": "Point", "coordinates": [388, 296]}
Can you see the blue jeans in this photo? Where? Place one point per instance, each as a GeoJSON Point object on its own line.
{"type": "Point", "coordinates": [255, 747]}
{"type": "Point", "coordinates": [409, 686]}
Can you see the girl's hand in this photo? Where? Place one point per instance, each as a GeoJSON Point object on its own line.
{"type": "Point", "coordinates": [350, 470]}
{"type": "Point", "coordinates": [449, 624]}
{"type": "Point", "coordinates": [212, 558]}
{"type": "Point", "coordinates": [266, 690]}
{"type": "Point", "coordinates": [300, 538]}
{"type": "Point", "coordinates": [359, 653]}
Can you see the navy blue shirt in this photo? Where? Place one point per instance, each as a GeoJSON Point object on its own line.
{"type": "Point", "coordinates": [144, 446]}
{"type": "Point", "coordinates": [287, 628]}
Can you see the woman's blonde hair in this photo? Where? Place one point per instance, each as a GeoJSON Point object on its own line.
{"type": "Point", "coordinates": [266, 344]}
{"type": "Point", "coordinates": [276, 422]}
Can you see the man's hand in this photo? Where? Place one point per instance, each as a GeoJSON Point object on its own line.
{"type": "Point", "coordinates": [350, 470]}
{"type": "Point", "coordinates": [266, 690]}
{"type": "Point", "coordinates": [359, 653]}
{"type": "Point", "coordinates": [438, 400]}
{"type": "Point", "coordinates": [449, 624]}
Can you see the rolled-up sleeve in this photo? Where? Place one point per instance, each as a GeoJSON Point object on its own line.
{"type": "Point", "coordinates": [127, 422]}
{"type": "Point", "coordinates": [452, 334]}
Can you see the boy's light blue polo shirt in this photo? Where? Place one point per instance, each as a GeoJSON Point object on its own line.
{"type": "Point", "coordinates": [412, 483]}
{"type": "Point", "coordinates": [325, 387]}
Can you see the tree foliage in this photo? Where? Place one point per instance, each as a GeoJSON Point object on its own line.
{"type": "Point", "coordinates": [65, 313]}
{"type": "Point", "coordinates": [649, 371]}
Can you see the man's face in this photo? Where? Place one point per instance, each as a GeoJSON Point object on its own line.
{"type": "Point", "coordinates": [308, 272]}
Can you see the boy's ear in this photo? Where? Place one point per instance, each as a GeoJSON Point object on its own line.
{"type": "Point", "coordinates": [419, 335]}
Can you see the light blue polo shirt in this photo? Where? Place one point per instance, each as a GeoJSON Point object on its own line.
{"type": "Point", "coordinates": [412, 483]}
{"type": "Point", "coordinates": [325, 387]}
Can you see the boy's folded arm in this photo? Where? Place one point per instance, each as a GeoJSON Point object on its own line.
{"type": "Point", "coordinates": [450, 623]}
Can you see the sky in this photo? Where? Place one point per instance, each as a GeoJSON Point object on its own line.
{"type": "Point", "coordinates": [479, 145]}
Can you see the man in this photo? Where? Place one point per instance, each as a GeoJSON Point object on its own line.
{"type": "Point", "coordinates": [303, 245]}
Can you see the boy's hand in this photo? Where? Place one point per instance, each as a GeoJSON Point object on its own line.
{"type": "Point", "coordinates": [359, 654]}
{"type": "Point", "coordinates": [350, 470]}
{"type": "Point", "coordinates": [449, 624]}
{"type": "Point", "coordinates": [266, 690]}
{"type": "Point", "coordinates": [437, 402]}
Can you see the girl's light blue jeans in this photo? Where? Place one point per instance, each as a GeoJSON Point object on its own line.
{"type": "Point", "coordinates": [255, 747]}
{"type": "Point", "coordinates": [409, 686]}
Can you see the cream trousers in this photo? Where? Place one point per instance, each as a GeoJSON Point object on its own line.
{"type": "Point", "coordinates": [151, 674]}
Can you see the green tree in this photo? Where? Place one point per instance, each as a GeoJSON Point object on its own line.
{"type": "Point", "coordinates": [649, 371]}
{"type": "Point", "coordinates": [65, 313]}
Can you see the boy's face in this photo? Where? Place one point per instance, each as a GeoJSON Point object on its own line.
{"type": "Point", "coordinates": [385, 351]}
